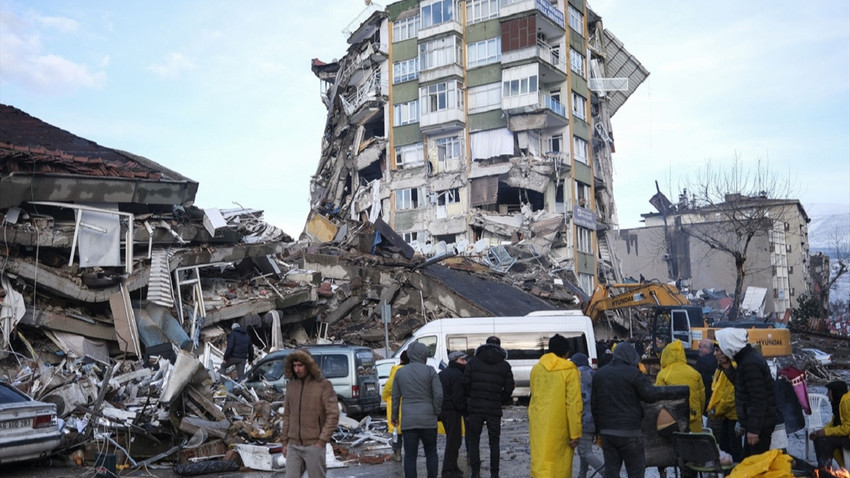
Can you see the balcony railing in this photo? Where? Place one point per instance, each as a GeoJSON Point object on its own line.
{"type": "Point", "coordinates": [370, 89]}
{"type": "Point", "coordinates": [554, 105]}
{"type": "Point", "coordinates": [551, 54]}
{"type": "Point", "coordinates": [544, 7]}
{"type": "Point", "coordinates": [352, 27]}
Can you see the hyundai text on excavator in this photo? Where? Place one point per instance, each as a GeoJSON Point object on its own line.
{"type": "Point", "coordinates": [672, 316]}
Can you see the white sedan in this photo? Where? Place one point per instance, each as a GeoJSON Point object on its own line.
{"type": "Point", "coordinates": [822, 357]}
{"type": "Point", "coordinates": [28, 428]}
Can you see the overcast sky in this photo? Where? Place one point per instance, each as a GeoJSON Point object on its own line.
{"type": "Point", "coordinates": [223, 93]}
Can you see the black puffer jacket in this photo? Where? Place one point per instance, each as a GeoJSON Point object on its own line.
{"type": "Point", "coordinates": [488, 381]}
{"type": "Point", "coordinates": [453, 393]}
{"type": "Point", "coordinates": [755, 396]}
{"type": "Point", "coordinates": [239, 345]}
{"type": "Point", "coordinates": [617, 391]}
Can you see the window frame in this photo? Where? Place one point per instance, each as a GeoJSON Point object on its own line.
{"type": "Point", "coordinates": [407, 199]}
{"type": "Point", "coordinates": [580, 149]}
{"type": "Point", "coordinates": [584, 240]}
{"type": "Point", "coordinates": [491, 5]}
{"type": "Point", "coordinates": [406, 28]}
{"type": "Point", "coordinates": [408, 110]}
{"type": "Point", "coordinates": [520, 86]}
{"type": "Point", "coordinates": [443, 96]}
{"type": "Point", "coordinates": [472, 53]}
{"type": "Point", "coordinates": [577, 62]}
{"type": "Point", "coordinates": [447, 143]}
{"type": "Point", "coordinates": [402, 152]}
{"type": "Point", "coordinates": [576, 19]}
{"type": "Point", "coordinates": [438, 53]}
{"type": "Point", "coordinates": [485, 97]}
{"type": "Point", "coordinates": [406, 70]}
{"type": "Point", "coordinates": [579, 106]}
{"type": "Point", "coordinates": [445, 14]}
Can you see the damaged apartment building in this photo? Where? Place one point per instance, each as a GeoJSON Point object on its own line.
{"type": "Point", "coordinates": [469, 126]}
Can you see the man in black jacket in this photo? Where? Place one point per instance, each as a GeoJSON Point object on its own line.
{"type": "Point", "coordinates": [755, 395]}
{"type": "Point", "coordinates": [239, 351]}
{"type": "Point", "coordinates": [454, 407]}
{"type": "Point", "coordinates": [615, 401]}
{"type": "Point", "coordinates": [488, 383]}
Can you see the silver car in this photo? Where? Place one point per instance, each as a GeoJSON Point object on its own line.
{"type": "Point", "coordinates": [28, 428]}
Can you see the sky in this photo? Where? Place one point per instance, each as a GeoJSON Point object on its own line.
{"type": "Point", "coordinates": [222, 92]}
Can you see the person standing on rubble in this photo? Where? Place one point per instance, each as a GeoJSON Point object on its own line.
{"type": "Point", "coordinates": [239, 351]}
{"type": "Point", "coordinates": [615, 401]}
{"type": "Point", "coordinates": [488, 383]}
{"type": "Point", "coordinates": [755, 396]}
{"type": "Point", "coordinates": [554, 412]}
{"type": "Point", "coordinates": [387, 395]}
{"type": "Point", "coordinates": [310, 416]}
{"type": "Point", "coordinates": [454, 408]}
{"type": "Point", "coordinates": [417, 393]}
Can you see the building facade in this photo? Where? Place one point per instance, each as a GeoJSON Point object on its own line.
{"type": "Point", "coordinates": [668, 248]}
{"type": "Point", "coordinates": [471, 124]}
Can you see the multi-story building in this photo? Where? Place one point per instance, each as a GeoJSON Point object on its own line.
{"type": "Point", "coordinates": [677, 245]}
{"type": "Point", "coordinates": [478, 123]}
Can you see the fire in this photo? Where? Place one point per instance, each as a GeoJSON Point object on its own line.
{"type": "Point", "coordinates": [832, 472]}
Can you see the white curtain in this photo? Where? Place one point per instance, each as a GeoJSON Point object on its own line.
{"type": "Point", "coordinates": [492, 143]}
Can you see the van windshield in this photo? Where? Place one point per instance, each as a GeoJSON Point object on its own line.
{"type": "Point", "coordinates": [519, 345]}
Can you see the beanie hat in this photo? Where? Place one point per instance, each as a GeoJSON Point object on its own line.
{"type": "Point", "coordinates": [457, 354]}
{"type": "Point", "coordinates": [559, 345]}
{"type": "Point", "coordinates": [493, 340]}
{"type": "Point", "coordinates": [731, 340]}
{"type": "Point", "coordinates": [580, 359]}
{"type": "Point", "coordinates": [234, 326]}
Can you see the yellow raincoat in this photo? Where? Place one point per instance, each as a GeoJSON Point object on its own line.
{"type": "Point", "coordinates": [722, 402]}
{"type": "Point", "coordinates": [770, 464]}
{"type": "Point", "coordinates": [554, 416]}
{"type": "Point", "coordinates": [676, 371]}
{"type": "Point", "coordinates": [387, 395]}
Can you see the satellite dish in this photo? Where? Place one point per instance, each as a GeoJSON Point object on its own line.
{"type": "Point", "coordinates": [440, 249]}
{"type": "Point", "coordinates": [427, 248]}
{"type": "Point", "coordinates": [480, 246]}
{"type": "Point", "coordinates": [461, 245]}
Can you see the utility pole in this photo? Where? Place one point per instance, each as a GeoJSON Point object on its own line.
{"type": "Point", "coordinates": [386, 316]}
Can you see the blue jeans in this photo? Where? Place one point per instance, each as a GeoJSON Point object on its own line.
{"type": "Point", "coordinates": [410, 442]}
{"type": "Point", "coordinates": [623, 450]}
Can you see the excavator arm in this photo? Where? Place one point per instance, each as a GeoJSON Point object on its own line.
{"type": "Point", "coordinates": [632, 295]}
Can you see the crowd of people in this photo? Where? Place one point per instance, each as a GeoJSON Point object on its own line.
{"type": "Point", "coordinates": [573, 408]}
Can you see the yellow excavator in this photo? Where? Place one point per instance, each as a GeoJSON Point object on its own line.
{"type": "Point", "coordinates": [672, 316]}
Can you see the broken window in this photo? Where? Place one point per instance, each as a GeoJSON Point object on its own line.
{"type": "Point", "coordinates": [410, 198]}
{"type": "Point", "coordinates": [441, 52]}
{"type": "Point", "coordinates": [484, 52]}
{"type": "Point", "coordinates": [413, 238]}
{"type": "Point", "coordinates": [577, 62]}
{"type": "Point", "coordinates": [409, 156]}
{"type": "Point", "coordinates": [580, 149]}
{"type": "Point", "coordinates": [448, 148]}
{"type": "Point", "coordinates": [485, 98]}
{"type": "Point", "coordinates": [435, 13]}
{"type": "Point", "coordinates": [582, 194]}
{"type": "Point", "coordinates": [439, 97]}
{"type": "Point", "coordinates": [559, 199]}
{"type": "Point", "coordinates": [579, 106]}
{"type": "Point", "coordinates": [584, 238]}
{"type": "Point", "coordinates": [406, 113]}
{"type": "Point", "coordinates": [586, 283]}
{"type": "Point", "coordinates": [576, 19]}
{"type": "Point", "coordinates": [449, 196]}
{"type": "Point", "coordinates": [554, 143]}
{"type": "Point", "coordinates": [405, 70]}
{"type": "Point", "coordinates": [406, 29]}
{"type": "Point", "coordinates": [522, 86]}
{"type": "Point", "coordinates": [480, 10]}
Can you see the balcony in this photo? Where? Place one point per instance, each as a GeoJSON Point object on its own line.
{"type": "Point", "coordinates": [552, 60]}
{"type": "Point", "coordinates": [370, 93]}
{"type": "Point", "coordinates": [546, 112]}
{"type": "Point", "coordinates": [445, 71]}
{"type": "Point", "coordinates": [554, 17]}
{"type": "Point", "coordinates": [442, 121]}
{"type": "Point", "coordinates": [451, 26]}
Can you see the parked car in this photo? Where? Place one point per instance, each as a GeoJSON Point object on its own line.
{"type": "Point", "coordinates": [28, 428]}
{"type": "Point", "coordinates": [351, 370]}
{"type": "Point", "coordinates": [822, 357]}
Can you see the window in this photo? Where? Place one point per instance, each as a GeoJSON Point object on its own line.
{"type": "Point", "coordinates": [409, 156]}
{"type": "Point", "coordinates": [586, 283]}
{"type": "Point", "coordinates": [484, 52]}
{"type": "Point", "coordinates": [406, 113]}
{"type": "Point", "coordinates": [448, 148]}
{"type": "Point", "coordinates": [582, 194]}
{"type": "Point", "coordinates": [410, 198]}
{"type": "Point", "coordinates": [449, 196]}
{"type": "Point", "coordinates": [413, 238]}
{"type": "Point", "coordinates": [519, 87]}
{"type": "Point", "coordinates": [584, 238]}
{"type": "Point", "coordinates": [485, 98]}
{"type": "Point", "coordinates": [334, 366]}
{"type": "Point", "coordinates": [435, 13]}
{"type": "Point", "coordinates": [576, 19]}
{"type": "Point", "coordinates": [554, 143]}
{"type": "Point", "coordinates": [405, 70]}
{"type": "Point", "coordinates": [406, 29]}
{"type": "Point", "coordinates": [577, 62]}
{"type": "Point", "coordinates": [579, 106]}
{"type": "Point", "coordinates": [440, 52]}
{"type": "Point", "coordinates": [580, 148]}
{"type": "Point", "coordinates": [480, 10]}
{"type": "Point", "coordinates": [439, 97]}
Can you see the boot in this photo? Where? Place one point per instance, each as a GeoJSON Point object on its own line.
{"type": "Point", "coordinates": [397, 454]}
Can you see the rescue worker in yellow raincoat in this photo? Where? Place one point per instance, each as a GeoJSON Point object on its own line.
{"type": "Point", "coordinates": [676, 371]}
{"type": "Point", "coordinates": [554, 411]}
{"type": "Point", "coordinates": [721, 407]}
{"type": "Point", "coordinates": [387, 395]}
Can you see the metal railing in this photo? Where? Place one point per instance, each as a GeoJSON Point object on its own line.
{"type": "Point", "coordinates": [554, 105]}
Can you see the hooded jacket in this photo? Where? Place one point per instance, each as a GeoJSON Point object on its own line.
{"type": "Point", "coordinates": [417, 392]}
{"type": "Point", "coordinates": [310, 408]}
{"type": "Point", "coordinates": [488, 381]}
{"type": "Point", "coordinates": [587, 372]}
{"type": "Point", "coordinates": [722, 401]}
{"type": "Point", "coordinates": [676, 371]}
{"type": "Point", "coordinates": [239, 345]}
{"type": "Point", "coordinates": [617, 392]}
{"type": "Point", "coordinates": [755, 395]}
{"type": "Point", "coordinates": [450, 379]}
{"type": "Point", "coordinates": [840, 424]}
{"type": "Point", "coordinates": [554, 415]}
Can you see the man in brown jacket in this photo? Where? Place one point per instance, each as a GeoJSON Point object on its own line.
{"type": "Point", "coordinates": [310, 416]}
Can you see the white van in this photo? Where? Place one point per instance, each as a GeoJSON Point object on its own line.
{"type": "Point", "coordinates": [525, 338]}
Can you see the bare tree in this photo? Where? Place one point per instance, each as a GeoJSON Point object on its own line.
{"type": "Point", "coordinates": [730, 207]}
{"type": "Point", "coordinates": [839, 261]}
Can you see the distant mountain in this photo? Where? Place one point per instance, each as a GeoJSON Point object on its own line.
{"type": "Point", "coordinates": [830, 224]}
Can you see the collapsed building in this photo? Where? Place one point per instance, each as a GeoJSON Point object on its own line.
{"type": "Point", "coordinates": [470, 126]}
